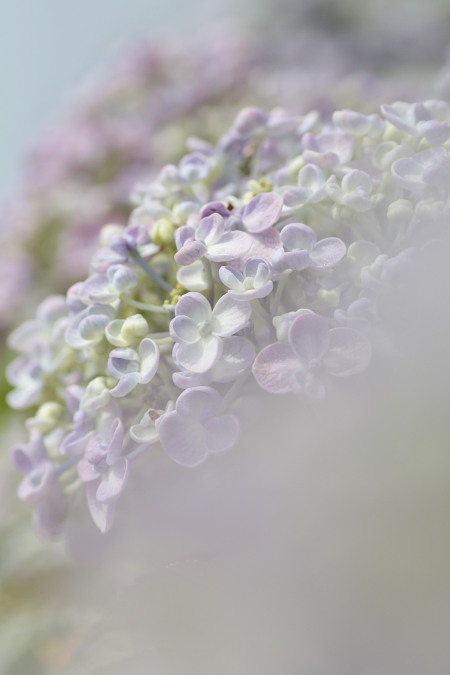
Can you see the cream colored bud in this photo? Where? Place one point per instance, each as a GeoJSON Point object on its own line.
{"type": "Point", "coordinates": [331, 298]}
{"type": "Point", "coordinates": [400, 212]}
{"type": "Point", "coordinates": [163, 232]}
{"type": "Point", "coordinates": [134, 328]}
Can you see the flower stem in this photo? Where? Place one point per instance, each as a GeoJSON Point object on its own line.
{"type": "Point", "coordinates": [143, 264]}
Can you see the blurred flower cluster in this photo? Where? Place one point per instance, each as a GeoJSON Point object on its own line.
{"type": "Point", "coordinates": [270, 254]}
{"type": "Point", "coordinates": [136, 115]}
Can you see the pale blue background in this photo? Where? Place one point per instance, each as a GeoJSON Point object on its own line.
{"type": "Point", "coordinates": [48, 46]}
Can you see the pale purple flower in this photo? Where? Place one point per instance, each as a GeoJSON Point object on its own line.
{"type": "Point", "coordinates": [302, 250]}
{"type": "Point", "coordinates": [428, 119]}
{"type": "Point", "coordinates": [355, 191]}
{"type": "Point", "coordinates": [210, 240]}
{"type": "Point", "coordinates": [252, 283]}
{"type": "Point", "coordinates": [104, 469]}
{"type": "Point", "coordinates": [429, 168]}
{"type": "Point", "coordinates": [88, 327]}
{"type": "Point", "coordinates": [196, 428]}
{"type": "Point", "coordinates": [313, 349]}
{"type": "Point", "coordinates": [237, 356]}
{"type": "Point", "coordinates": [40, 487]}
{"type": "Point", "coordinates": [359, 125]}
{"type": "Point", "coordinates": [311, 188]}
{"type": "Point", "coordinates": [107, 288]}
{"type": "Point", "coordinates": [199, 331]}
{"type": "Point", "coordinates": [258, 219]}
{"type": "Point", "coordinates": [133, 367]}
{"type": "Point", "coordinates": [329, 149]}
{"type": "Point", "coordinates": [146, 430]}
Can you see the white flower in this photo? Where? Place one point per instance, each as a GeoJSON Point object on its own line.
{"type": "Point", "coordinates": [132, 367]}
{"type": "Point", "coordinates": [254, 282]}
{"type": "Point", "coordinates": [198, 330]}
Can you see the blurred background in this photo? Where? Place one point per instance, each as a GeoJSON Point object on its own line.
{"type": "Point", "coordinates": [97, 95]}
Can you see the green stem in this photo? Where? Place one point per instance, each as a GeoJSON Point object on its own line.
{"type": "Point", "coordinates": [143, 264]}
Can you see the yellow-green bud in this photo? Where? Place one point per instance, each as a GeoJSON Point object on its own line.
{"type": "Point", "coordinates": [134, 328]}
{"type": "Point", "coordinates": [400, 212]}
{"type": "Point", "coordinates": [163, 232]}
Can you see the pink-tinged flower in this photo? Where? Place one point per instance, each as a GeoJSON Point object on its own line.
{"type": "Point", "coordinates": [104, 469]}
{"type": "Point", "coordinates": [258, 219]}
{"type": "Point", "coordinates": [196, 428]}
{"type": "Point", "coordinates": [302, 250]}
{"type": "Point", "coordinates": [133, 367]}
{"type": "Point", "coordinates": [209, 240]}
{"type": "Point", "coordinates": [313, 349]}
{"type": "Point", "coordinates": [199, 331]}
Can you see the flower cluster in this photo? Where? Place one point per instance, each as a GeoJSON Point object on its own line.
{"type": "Point", "coordinates": [136, 115]}
{"type": "Point", "coordinates": [261, 261]}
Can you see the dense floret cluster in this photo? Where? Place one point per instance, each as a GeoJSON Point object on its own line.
{"type": "Point", "coordinates": [259, 261]}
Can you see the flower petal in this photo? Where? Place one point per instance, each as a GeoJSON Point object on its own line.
{"type": "Point", "coordinates": [230, 245]}
{"type": "Point", "coordinates": [274, 368]}
{"type": "Point", "coordinates": [222, 433]}
{"type": "Point", "coordinates": [309, 338]}
{"type": "Point", "coordinates": [262, 212]}
{"type": "Point", "coordinates": [298, 237]}
{"type": "Point", "coordinates": [195, 306]}
{"type": "Point", "coordinates": [349, 353]}
{"type": "Point", "coordinates": [183, 440]}
{"type": "Point", "coordinates": [327, 253]}
{"type": "Point", "coordinates": [183, 329]}
{"type": "Point", "coordinates": [113, 481]}
{"type": "Point", "coordinates": [201, 355]}
{"type": "Point", "coordinates": [229, 316]}
{"type": "Point", "coordinates": [200, 403]}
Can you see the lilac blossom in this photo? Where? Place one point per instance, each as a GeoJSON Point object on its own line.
{"type": "Point", "coordinates": [302, 250]}
{"type": "Point", "coordinates": [196, 428]}
{"type": "Point", "coordinates": [265, 262]}
{"type": "Point", "coordinates": [104, 470]}
{"type": "Point", "coordinates": [199, 330]}
{"type": "Point", "coordinates": [313, 347]}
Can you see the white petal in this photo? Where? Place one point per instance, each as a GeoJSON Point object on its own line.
{"type": "Point", "coordinates": [327, 253]}
{"type": "Point", "coordinates": [113, 482]}
{"type": "Point", "coordinates": [229, 316]}
{"type": "Point", "coordinates": [200, 356]}
{"type": "Point", "coordinates": [298, 237]}
{"type": "Point", "coordinates": [183, 329]}
{"type": "Point", "coordinates": [229, 246]}
{"type": "Point", "coordinates": [193, 277]}
{"type": "Point", "coordinates": [231, 278]}
{"type": "Point", "coordinates": [149, 354]}
{"type": "Point", "coordinates": [238, 355]}
{"type": "Point", "coordinates": [195, 306]}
